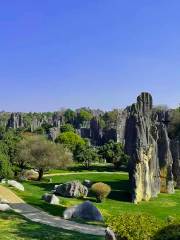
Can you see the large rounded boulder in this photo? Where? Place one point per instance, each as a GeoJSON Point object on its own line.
{"type": "Point", "coordinates": [85, 211]}
{"type": "Point", "coordinates": [71, 189]}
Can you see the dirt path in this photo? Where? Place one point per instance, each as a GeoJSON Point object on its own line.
{"type": "Point", "coordinates": [37, 215]}
{"type": "Point", "coordinates": [8, 195]}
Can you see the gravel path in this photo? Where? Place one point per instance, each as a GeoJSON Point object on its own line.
{"type": "Point", "coordinates": [36, 215]}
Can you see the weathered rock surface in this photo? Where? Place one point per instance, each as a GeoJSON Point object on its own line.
{"type": "Point", "coordinates": [147, 144]}
{"type": "Point", "coordinates": [175, 149]}
{"type": "Point", "coordinates": [71, 189]}
{"type": "Point", "coordinates": [51, 199]}
{"type": "Point", "coordinates": [85, 210]}
{"type": "Point", "coordinates": [15, 184]}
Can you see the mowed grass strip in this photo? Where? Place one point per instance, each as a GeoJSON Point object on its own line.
{"type": "Point", "coordinates": [118, 201]}
{"type": "Point", "coordinates": [15, 227]}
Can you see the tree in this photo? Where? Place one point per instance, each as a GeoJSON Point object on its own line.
{"type": "Point", "coordinates": [84, 115]}
{"type": "Point", "coordinates": [111, 118]}
{"type": "Point", "coordinates": [174, 125]}
{"type": "Point", "coordinates": [5, 167]}
{"type": "Point", "coordinates": [70, 140]}
{"type": "Point", "coordinates": [69, 116]}
{"type": "Point", "coordinates": [86, 155]}
{"type": "Point", "coordinates": [114, 153]}
{"type": "Point", "coordinates": [43, 154]}
{"type": "Point", "coordinates": [67, 128]}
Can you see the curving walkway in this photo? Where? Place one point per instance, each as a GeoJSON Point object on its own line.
{"type": "Point", "coordinates": [74, 173]}
{"type": "Point", "coordinates": [37, 215]}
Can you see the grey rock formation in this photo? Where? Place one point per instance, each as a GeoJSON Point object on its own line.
{"type": "Point", "coordinates": [71, 189]}
{"type": "Point", "coordinates": [51, 199]}
{"type": "Point", "coordinates": [53, 133]}
{"type": "Point", "coordinates": [175, 149]}
{"type": "Point", "coordinates": [85, 210]}
{"type": "Point", "coordinates": [147, 144]}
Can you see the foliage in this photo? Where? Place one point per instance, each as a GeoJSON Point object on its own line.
{"type": "Point", "coordinates": [67, 128]}
{"type": "Point", "coordinates": [174, 125]}
{"type": "Point", "coordinates": [86, 154]}
{"type": "Point", "coordinates": [69, 116]}
{"type": "Point", "coordinates": [134, 226]}
{"type": "Point", "coordinates": [84, 115]}
{"type": "Point", "coordinates": [5, 167]}
{"type": "Point", "coordinates": [10, 138]}
{"type": "Point", "coordinates": [113, 152]}
{"type": "Point", "coordinates": [39, 130]}
{"type": "Point", "coordinates": [100, 190]}
{"type": "Point", "coordinates": [70, 140]}
{"type": "Point", "coordinates": [110, 118]}
{"type": "Point", "coordinates": [42, 154]}
{"type": "Point", "coordinates": [169, 232]}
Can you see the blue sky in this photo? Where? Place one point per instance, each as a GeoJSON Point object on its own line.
{"type": "Point", "coordinates": [96, 53]}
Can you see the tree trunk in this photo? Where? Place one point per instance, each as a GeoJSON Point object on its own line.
{"type": "Point", "coordinates": [41, 171]}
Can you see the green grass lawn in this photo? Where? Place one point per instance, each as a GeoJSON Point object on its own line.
{"type": "Point", "coordinates": [14, 227]}
{"type": "Point", "coordinates": [118, 201]}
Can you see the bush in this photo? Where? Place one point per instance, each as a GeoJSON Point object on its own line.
{"type": "Point", "coordinates": [134, 226]}
{"type": "Point", "coordinates": [100, 190]}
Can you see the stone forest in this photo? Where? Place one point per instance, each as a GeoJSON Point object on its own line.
{"type": "Point", "coordinates": [66, 169]}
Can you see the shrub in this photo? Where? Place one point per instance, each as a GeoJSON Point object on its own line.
{"type": "Point", "coordinates": [100, 190]}
{"type": "Point", "coordinates": [134, 226]}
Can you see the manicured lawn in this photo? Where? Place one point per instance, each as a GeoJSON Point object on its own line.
{"type": "Point", "coordinates": [118, 201]}
{"type": "Point", "coordinates": [14, 227]}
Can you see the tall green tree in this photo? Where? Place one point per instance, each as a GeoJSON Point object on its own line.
{"type": "Point", "coordinates": [70, 140]}
{"type": "Point", "coordinates": [113, 152]}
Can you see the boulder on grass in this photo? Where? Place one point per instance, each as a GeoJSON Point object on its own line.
{"type": "Point", "coordinates": [4, 207]}
{"type": "Point", "coordinates": [87, 183]}
{"type": "Point", "coordinates": [30, 174]}
{"type": "Point", "coordinates": [85, 211]}
{"type": "Point", "coordinates": [71, 189]}
{"type": "Point", "coordinates": [51, 199]}
{"type": "Point", "coordinates": [15, 184]}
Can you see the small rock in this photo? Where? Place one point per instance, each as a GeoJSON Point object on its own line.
{"type": "Point", "coordinates": [15, 184]}
{"type": "Point", "coordinates": [87, 183]}
{"type": "Point", "coordinates": [4, 207]}
{"type": "Point", "coordinates": [3, 181]}
{"type": "Point", "coordinates": [51, 199]}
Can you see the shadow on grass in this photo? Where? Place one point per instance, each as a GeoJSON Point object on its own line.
{"type": "Point", "coordinates": [27, 230]}
{"type": "Point", "coordinates": [171, 232]}
{"type": "Point", "coordinates": [97, 168]}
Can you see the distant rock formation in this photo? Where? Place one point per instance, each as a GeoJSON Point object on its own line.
{"type": "Point", "coordinates": [175, 149]}
{"type": "Point", "coordinates": [148, 145]}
